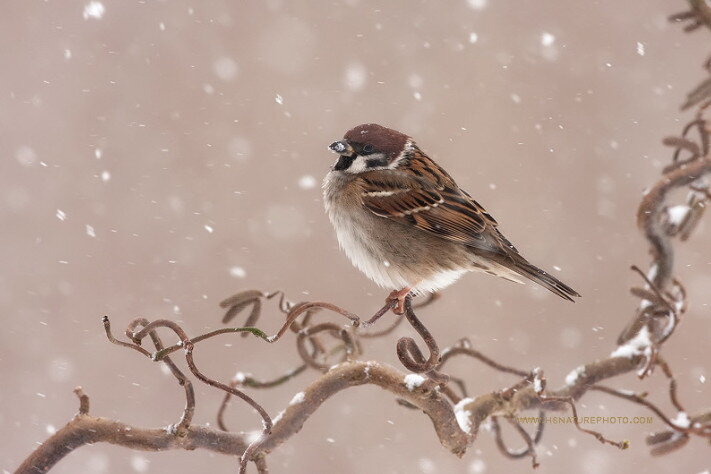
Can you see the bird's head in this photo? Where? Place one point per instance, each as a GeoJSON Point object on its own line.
{"type": "Point", "coordinates": [368, 147]}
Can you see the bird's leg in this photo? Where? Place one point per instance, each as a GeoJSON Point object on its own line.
{"type": "Point", "coordinates": [399, 296]}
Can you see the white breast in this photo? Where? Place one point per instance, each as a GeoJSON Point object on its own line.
{"type": "Point", "coordinates": [354, 241]}
{"type": "Point", "coordinates": [354, 225]}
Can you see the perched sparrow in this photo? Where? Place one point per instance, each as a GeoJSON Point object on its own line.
{"type": "Point", "coordinates": [404, 222]}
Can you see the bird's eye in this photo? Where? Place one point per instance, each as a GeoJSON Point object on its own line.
{"type": "Point", "coordinates": [368, 148]}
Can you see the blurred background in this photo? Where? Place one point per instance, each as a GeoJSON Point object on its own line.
{"type": "Point", "coordinates": [159, 156]}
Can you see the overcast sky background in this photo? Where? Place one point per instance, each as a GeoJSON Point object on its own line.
{"type": "Point", "coordinates": [160, 156]}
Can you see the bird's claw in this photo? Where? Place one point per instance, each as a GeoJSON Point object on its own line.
{"type": "Point", "coordinates": [398, 296]}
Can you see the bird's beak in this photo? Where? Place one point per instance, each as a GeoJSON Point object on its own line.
{"type": "Point", "coordinates": [342, 147]}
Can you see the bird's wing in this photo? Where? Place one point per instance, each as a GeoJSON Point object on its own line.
{"type": "Point", "coordinates": [433, 203]}
{"type": "Point", "coordinates": [424, 196]}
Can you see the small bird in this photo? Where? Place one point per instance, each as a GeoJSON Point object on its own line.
{"type": "Point", "coordinates": [404, 222]}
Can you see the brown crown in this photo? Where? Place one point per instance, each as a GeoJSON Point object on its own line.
{"type": "Point", "coordinates": [385, 140]}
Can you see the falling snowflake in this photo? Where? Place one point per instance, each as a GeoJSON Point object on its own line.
{"type": "Point", "coordinates": [547, 39]}
{"type": "Point", "coordinates": [139, 463]}
{"type": "Point", "coordinates": [225, 68]}
{"type": "Point", "coordinates": [26, 156]}
{"type": "Point", "coordinates": [415, 81]}
{"type": "Point", "coordinates": [307, 182]}
{"type": "Point", "coordinates": [477, 466]}
{"type": "Point", "coordinates": [427, 466]}
{"type": "Point", "coordinates": [94, 10]}
{"type": "Point", "coordinates": [477, 4]}
{"type": "Point", "coordinates": [238, 272]}
{"type": "Point", "coordinates": [355, 76]}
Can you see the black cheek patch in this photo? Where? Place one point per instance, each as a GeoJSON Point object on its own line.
{"type": "Point", "coordinates": [344, 162]}
{"type": "Point", "coordinates": [375, 162]}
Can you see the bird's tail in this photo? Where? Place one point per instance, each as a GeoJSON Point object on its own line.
{"type": "Point", "coordinates": [522, 267]}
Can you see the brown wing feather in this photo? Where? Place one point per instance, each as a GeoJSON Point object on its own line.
{"type": "Point", "coordinates": [423, 195]}
{"type": "Point", "coordinates": [395, 195]}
